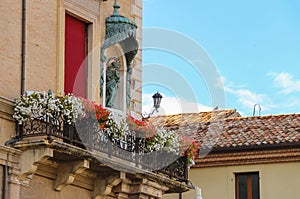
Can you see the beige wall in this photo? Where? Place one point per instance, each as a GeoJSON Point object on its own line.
{"type": "Point", "coordinates": [45, 44]}
{"type": "Point", "coordinates": [41, 45]}
{"type": "Point", "coordinates": [1, 178]}
{"type": "Point", "coordinates": [10, 48]}
{"type": "Point", "coordinates": [7, 124]}
{"type": "Point", "coordinates": [40, 185]}
{"type": "Point", "coordinates": [277, 181]}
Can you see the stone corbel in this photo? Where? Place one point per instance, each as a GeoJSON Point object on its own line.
{"type": "Point", "coordinates": [148, 189]}
{"type": "Point", "coordinates": [30, 160]}
{"type": "Point", "coordinates": [105, 183]}
{"type": "Point", "coordinates": [67, 172]}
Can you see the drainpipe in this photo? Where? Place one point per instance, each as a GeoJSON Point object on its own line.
{"type": "Point", "coordinates": [5, 170]}
{"type": "Point", "coordinates": [8, 142]}
{"type": "Point", "coordinates": [23, 46]}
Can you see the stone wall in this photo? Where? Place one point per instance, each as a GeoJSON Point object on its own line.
{"type": "Point", "coordinates": [44, 185]}
{"type": "Point", "coordinates": [136, 12]}
{"type": "Point", "coordinates": [45, 70]}
{"type": "Point", "coordinates": [10, 48]}
{"type": "Point", "coordinates": [1, 179]}
{"type": "Point", "coordinates": [45, 44]}
{"type": "Point", "coordinates": [7, 124]}
{"type": "Point", "coordinates": [41, 49]}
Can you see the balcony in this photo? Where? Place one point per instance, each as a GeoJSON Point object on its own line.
{"type": "Point", "coordinates": [76, 142]}
{"type": "Point", "coordinates": [89, 136]}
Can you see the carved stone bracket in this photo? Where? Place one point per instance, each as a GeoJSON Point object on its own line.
{"type": "Point", "coordinates": [67, 172]}
{"type": "Point", "coordinates": [31, 159]}
{"type": "Point", "coordinates": [105, 183]}
{"type": "Point", "coordinates": [145, 188]}
{"type": "Point", "coordinates": [139, 188]}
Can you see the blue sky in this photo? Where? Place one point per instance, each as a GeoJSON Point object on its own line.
{"type": "Point", "coordinates": [254, 45]}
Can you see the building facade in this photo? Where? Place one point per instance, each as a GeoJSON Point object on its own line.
{"type": "Point", "coordinates": [71, 46]}
{"type": "Point", "coordinates": [48, 44]}
{"type": "Point", "coordinates": [247, 158]}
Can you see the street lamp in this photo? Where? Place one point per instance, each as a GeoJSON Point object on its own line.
{"type": "Point", "coordinates": [156, 100]}
{"type": "Point", "coordinates": [156, 104]}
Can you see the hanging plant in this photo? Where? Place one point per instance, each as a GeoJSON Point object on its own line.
{"type": "Point", "coordinates": [39, 105]}
{"type": "Point", "coordinates": [71, 109]}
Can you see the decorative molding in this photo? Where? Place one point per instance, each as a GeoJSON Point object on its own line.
{"type": "Point", "coordinates": [9, 156]}
{"type": "Point", "coordinates": [88, 12]}
{"type": "Point", "coordinates": [81, 10]}
{"type": "Point", "coordinates": [136, 11]}
{"type": "Point", "coordinates": [6, 108]}
{"type": "Point", "coordinates": [114, 162]}
{"type": "Point", "coordinates": [140, 188]}
{"type": "Point", "coordinates": [67, 172]}
{"type": "Point", "coordinates": [149, 188]}
{"type": "Point", "coordinates": [105, 183]}
{"type": "Point", "coordinates": [30, 160]}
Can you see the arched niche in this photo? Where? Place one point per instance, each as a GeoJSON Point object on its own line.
{"type": "Point", "coordinates": [115, 51]}
{"type": "Point", "coordinates": [120, 41]}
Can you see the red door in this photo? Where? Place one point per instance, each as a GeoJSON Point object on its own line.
{"type": "Point", "coordinates": [75, 52]}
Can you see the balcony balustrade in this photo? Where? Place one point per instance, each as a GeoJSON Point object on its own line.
{"type": "Point", "coordinates": [87, 134]}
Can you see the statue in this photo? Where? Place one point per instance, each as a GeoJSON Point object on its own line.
{"type": "Point", "coordinates": [128, 85]}
{"type": "Point", "coordinates": [119, 30]}
{"type": "Point", "coordinates": [112, 80]}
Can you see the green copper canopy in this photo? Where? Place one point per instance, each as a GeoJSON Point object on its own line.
{"type": "Point", "coordinates": [119, 29]}
{"type": "Point", "coordinates": [117, 23]}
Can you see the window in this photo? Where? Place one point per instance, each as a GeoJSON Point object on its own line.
{"type": "Point", "coordinates": [247, 185]}
{"type": "Point", "coordinates": [75, 53]}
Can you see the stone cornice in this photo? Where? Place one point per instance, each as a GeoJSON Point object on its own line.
{"type": "Point", "coordinates": [9, 156]}
{"type": "Point", "coordinates": [112, 162]}
{"type": "Point", "coordinates": [6, 108]}
{"type": "Point", "coordinates": [80, 9]}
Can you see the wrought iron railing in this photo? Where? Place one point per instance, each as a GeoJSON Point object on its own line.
{"type": "Point", "coordinates": [90, 136]}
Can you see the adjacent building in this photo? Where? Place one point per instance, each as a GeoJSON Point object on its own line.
{"type": "Point", "coordinates": [244, 157]}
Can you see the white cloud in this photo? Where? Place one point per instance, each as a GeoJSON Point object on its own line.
{"type": "Point", "coordinates": [247, 98]}
{"type": "Point", "coordinates": [172, 105]}
{"type": "Point", "coordinates": [286, 82]}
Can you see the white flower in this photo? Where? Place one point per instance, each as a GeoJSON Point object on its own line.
{"type": "Point", "coordinates": [37, 105]}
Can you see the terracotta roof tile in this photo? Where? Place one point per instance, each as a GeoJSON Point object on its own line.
{"type": "Point", "coordinates": [221, 130]}
{"type": "Point", "coordinates": [250, 131]}
{"type": "Point", "coordinates": [175, 121]}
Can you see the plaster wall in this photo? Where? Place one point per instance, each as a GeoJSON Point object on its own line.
{"type": "Point", "coordinates": [277, 181]}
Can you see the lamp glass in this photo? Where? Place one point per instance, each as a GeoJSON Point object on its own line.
{"type": "Point", "coordinates": [156, 100]}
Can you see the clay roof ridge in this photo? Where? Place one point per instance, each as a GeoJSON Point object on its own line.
{"type": "Point", "coordinates": [261, 117]}
{"type": "Point", "coordinates": [191, 113]}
